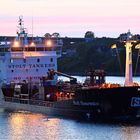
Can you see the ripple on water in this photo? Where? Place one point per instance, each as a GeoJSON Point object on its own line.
{"type": "Point", "coordinates": [29, 126]}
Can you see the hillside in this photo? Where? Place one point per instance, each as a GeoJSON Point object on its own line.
{"type": "Point", "coordinates": [78, 56]}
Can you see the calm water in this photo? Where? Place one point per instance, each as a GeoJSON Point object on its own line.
{"type": "Point", "coordinates": [24, 125]}
{"type": "Point", "coordinates": [29, 126]}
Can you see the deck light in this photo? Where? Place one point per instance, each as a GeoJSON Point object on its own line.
{"type": "Point", "coordinates": [16, 44]}
{"type": "Point", "coordinates": [48, 43]}
{"type": "Point", "coordinates": [32, 44]}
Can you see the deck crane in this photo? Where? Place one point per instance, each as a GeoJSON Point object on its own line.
{"type": "Point", "coordinates": [52, 72]}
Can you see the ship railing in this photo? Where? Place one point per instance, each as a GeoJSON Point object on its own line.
{"type": "Point", "coordinates": [41, 103]}
{"type": "Point", "coordinates": [29, 101]}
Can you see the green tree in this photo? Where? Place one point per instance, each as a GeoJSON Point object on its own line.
{"type": "Point", "coordinates": [56, 35]}
{"type": "Point", "coordinates": [47, 35]}
{"type": "Point", "coordinates": [89, 34]}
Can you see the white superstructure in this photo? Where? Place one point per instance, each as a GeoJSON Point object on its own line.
{"type": "Point", "coordinates": [128, 67]}
{"type": "Point", "coordinates": [28, 59]}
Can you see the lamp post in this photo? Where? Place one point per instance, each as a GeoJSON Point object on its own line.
{"type": "Point", "coordinates": [128, 64]}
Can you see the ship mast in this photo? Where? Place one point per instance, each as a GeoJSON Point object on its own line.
{"type": "Point", "coordinates": [128, 67]}
{"type": "Point", "coordinates": [22, 34]}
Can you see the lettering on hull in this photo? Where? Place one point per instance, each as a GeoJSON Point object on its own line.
{"type": "Point", "coordinates": [30, 66]}
{"type": "Point", "coordinates": [81, 103]}
{"type": "Point", "coordinates": [135, 102]}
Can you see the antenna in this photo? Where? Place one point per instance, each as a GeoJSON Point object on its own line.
{"type": "Point", "coordinates": [21, 24]}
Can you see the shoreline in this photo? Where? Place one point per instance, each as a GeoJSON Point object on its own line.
{"type": "Point", "coordinates": [107, 74]}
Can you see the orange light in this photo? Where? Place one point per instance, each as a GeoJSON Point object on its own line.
{"type": "Point", "coordinates": [137, 46]}
{"type": "Point", "coordinates": [16, 44]}
{"type": "Point", "coordinates": [48, 43]}
{"type": "Point", "coordinates": [114, 46]}
{"type": "Point", "coordinates": [32, 44]}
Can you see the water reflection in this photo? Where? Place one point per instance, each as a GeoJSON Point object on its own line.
{"type": "Point", "coordinates": [130, 132]}
{"type": "Point", "coordinates": [16, 126]}
{"type": "Point", "coordinates": [25, 125]}
{"type": "Point", "coordinates": [30, 126]}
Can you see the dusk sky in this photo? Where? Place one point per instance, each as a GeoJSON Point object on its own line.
{"type": "Point", "coordinates": [71, 18]}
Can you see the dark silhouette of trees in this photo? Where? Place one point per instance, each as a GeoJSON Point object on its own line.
{"type": "Point", "coordinates": [89, 34]}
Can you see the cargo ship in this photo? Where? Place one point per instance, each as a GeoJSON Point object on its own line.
{"type": "Point", "coordinates": [29, 82]}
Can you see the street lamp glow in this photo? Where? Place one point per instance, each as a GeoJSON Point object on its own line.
{"type": "Point", "coordinates": [114, 46]}
{"type": "Point", "coordinates": [137, 46]}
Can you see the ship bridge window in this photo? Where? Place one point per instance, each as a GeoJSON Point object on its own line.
{"type": "Point", "coordinates": [38, 60]}
{"type": "Point", "coordinates": [36, 70]}
{"type": "Point", "coordinates": [11, 60]}
{"type": "Point", "coordinates": [51, 59]}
